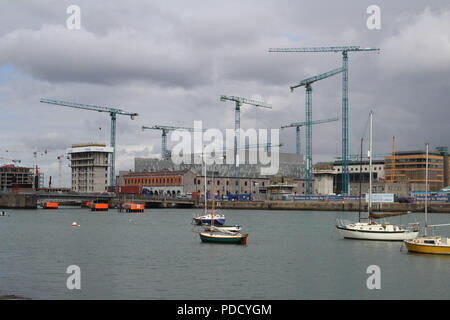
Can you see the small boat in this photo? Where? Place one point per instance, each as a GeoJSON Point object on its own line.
{"type": "Point", "coordinates": [222, 228]}
{"type": "Point", "coordinates": [208, 219]}
{"type": "Point", "coordinates": [376, 231]}
{"type": "Point", "coordinates": [214, 237]}
{"type": "Point", "coordinates": [372, 230]}
{"type": "Point", "coordinates": [221, 235]}
{"type": "Point", "coordinates": [4, 214]}
{"type": "Point", "coordinates": [433, 245]}
{"type": "Point", "coordinates": [205, 218]}
{"type": "Point", "coordinates": [425, 243]}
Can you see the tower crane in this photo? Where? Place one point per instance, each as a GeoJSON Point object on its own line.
{"type": "Point", "coordinates": [308, 108]}
{"type": "Point", "coordinates": [298, 125]}
{"type": "Point", "coordinates": [237, 126]}
{"type": "Point", "coordinates": [164, 131]}
{"type": "Point", "coordinates": [345, 122]}
{"type": "Point", "coordinates": [113, 112]}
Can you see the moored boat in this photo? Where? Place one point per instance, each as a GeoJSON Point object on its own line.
{"type": "Point", "coordinates": [208, 219]}
{"type": "Point", "coordinates": [222, 228]}
{"type": "Point", "coordinates": [372, 230]}
{"type": "Point", "coordinates": [376, 231]}
{"type": "Point", "coordinates": [215, 237]}
{"type": "Point", "coordinates": [433, 245]}
{"type": "Point", "coordinates": [425, 243]}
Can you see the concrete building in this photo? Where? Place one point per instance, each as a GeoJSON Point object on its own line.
{"type": "Point", "coordinates": [358, 171]}
{"type": "Point", "coordinates": [324, 178]}
{"type": "Point", "coordinates": [290, 166]}
{"type": "Point", "coordinates": [89, 163]}
{"type": "Point", "coordinates": [15, 177]}
{"type": "Point", "coordinates": [410, 166]}
{"type": "Point", "coordinates": [171, 183]}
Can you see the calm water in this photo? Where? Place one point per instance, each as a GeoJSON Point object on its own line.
{"type": "Point", "coordinates": [155, 255]}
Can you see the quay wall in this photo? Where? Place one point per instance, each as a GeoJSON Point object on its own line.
{"type": "Point", "coordinates": [18, 201]}
{"type": "Point", "coordinates": [330, 206]}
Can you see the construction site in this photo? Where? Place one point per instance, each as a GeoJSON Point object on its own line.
{"type": "Point", "coordinates": [93, 165]}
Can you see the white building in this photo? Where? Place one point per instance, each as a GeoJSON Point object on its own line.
{"type": "Point", "coordinates": [89, 163]}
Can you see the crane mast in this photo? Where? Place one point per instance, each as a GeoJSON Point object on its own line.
{"type": "Point", "coordinates": [113, 112]}
{"type": "Point", "coordinates": [308, 108]}
{"type": "Point", "coordinates": [345, 121]}
{"type": "Point", "coordinates": [237, 126]}
{"type": "Point", "coordinates": [164, 131]}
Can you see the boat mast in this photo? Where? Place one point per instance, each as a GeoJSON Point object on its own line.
{"type": "Point", "coordinates": [212, 205]}
{"type": "Point", "coordinates": [370, 164]}
{"type": "Point", "coordinates": [426, 191]}
{"type": "Point", "coordinates": [360, 179]}
{"type": "Point", "coordinates": [204, 160]}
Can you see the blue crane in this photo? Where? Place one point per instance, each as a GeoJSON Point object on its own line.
{"type": "Point", "coordinates": [298, 125]}
{"type": "Point", "coordinates": [113, 112]}
{"type": "Point", "coordinates": [164, 131]}
{"type": "Point", "coordinates": [237, 126]}
{"type": "Point", "coordinates": [308, 107]}
{"type": "Point", "coordinates": [345, 123]}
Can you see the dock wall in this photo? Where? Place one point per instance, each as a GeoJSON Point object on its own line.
{"type": "Point", "coordinates": [18, 201]}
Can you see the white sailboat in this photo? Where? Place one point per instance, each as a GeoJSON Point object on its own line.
{"type": "Point", "coordinates": [372, 230]}
{"type": "Point", "coordinates": [429, 244]}
{"type": "Point", "coordinates": [206, 218]}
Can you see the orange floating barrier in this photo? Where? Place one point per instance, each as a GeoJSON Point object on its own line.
{"type": "Point", "coordinates": [50, 205]}
{"type": "Point", "coordinates": [99, 207]}
{"type": "Point", "coordinates": [133, 207]}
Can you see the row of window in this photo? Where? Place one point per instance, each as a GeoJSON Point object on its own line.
{"type": "Point", "coordinates": [365, 169]}
{"type": "Point", "coordinates": [199, 181]}
{"type": "Point", "coordinates": [151, 181]}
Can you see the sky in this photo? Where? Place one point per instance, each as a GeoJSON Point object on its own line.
{"type": "Point", "coordinates": [169, 61]}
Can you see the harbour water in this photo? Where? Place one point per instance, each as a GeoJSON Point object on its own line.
{"type": "Point", "coordinates": [155, 255]}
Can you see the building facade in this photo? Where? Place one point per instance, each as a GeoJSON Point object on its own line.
{"type": "Point", "coordinates": [164, 183]}
{"type": "Point", "coordinates": [410, 166]}
{"type": "Point", "coordinates": [223, 176]}
{"type": "Point", "coordinates": [90, 163]}
{"type": "Point", "coordinates": [15, 177]}
{"type": "Point", "coordinates": [358, 172]}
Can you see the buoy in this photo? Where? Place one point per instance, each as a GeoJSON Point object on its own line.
{"type": "Point", "coordinates": [74, 224]}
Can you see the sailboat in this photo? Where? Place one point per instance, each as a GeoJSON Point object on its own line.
{"type": "Point", "coordinates": [205, 218]}
{"type": "Point", "coordinates": [372, 230]}
{"type": "Point", "coordinates": [425, 243]}
{"type": "Point", "coordinates": [217, 235]}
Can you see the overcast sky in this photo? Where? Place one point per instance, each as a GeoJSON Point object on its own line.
{"type": "Point", "coordinates": [170, 61]}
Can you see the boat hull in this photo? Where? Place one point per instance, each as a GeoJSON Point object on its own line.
{"type": "Point", "coordinates": [377, 235]}
{"type": "Point", "coordinates": [218, 221]}
{"type": "Point", "coordinates": [426, 248]}
{"type": "Point", "coordinates": [226, 239]}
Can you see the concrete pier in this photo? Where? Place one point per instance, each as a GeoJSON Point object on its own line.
{"type": "Point", "coordinates": [18, 201]}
